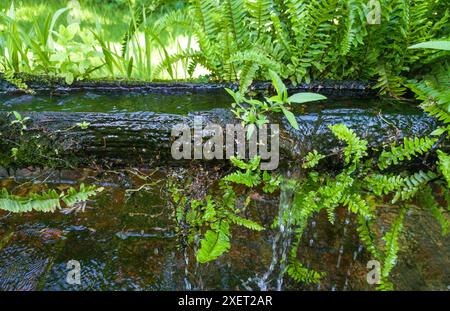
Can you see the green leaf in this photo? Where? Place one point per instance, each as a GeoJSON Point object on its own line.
{"type": "Point", "coordinates": [71, 31]}
{"type": "Point", "coordinates": [444, 165]}
{"type": "Point", "coordinates": [130, 68]}
{"type": "Point", "coordinates": [301, 98]}
{"type": "Point", "coordinates": [279, 86]}
{"type": "Point", "coordinates": [435, 45]}
{"type": "Point", "coordinates": [439, 131]}
{"type": "Point", "coordinates": [291, 118]}
{"type": "Point", "coordinates": [301, 274]}
{"type": "Point", "coordinates": [214, 244]}
{"type": "Point", "coordinates": [245, 223]}
{"type": "Point", "coordinates": [69, 78]}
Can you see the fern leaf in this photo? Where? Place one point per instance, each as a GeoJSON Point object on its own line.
{"type": "Point", "coordinates": [410, 147]}
{"type": "Point", "coordinates": [444, 166]}
{"type": "Point", "coordinates": [391, 250]}
{"type": "Point", "coordinates": [215, 243]}
{"type": "Point", "coordinates": [245, 223]}
{"type": "Point", "coordinates": [301, 274]}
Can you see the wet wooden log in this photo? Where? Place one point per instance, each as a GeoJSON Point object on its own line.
{"type": "Point", "coordinates": [144, 138]}
{"type": "Point", "coordinates": [58, 85]}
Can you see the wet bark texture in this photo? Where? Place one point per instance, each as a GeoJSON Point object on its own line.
{"type": "Point", "coordinates": [144, 138]}
{"type": "Point", "coordinates": [58, 86]}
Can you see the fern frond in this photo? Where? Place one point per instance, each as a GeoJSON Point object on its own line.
{"type": "Point", "coordinates": [427, 200]}
{"type": "Point", "coordinates": [312, 159]}
{"type": "Point", "coordinates": [412, 184]}
{"type": "Point", "coordinates": [356, 147]}
{"type": "Point", "coordinates": [411, 147]}
{"type": "Point", "coordinates": [391, 250]}
{"type": "Point", "coordinates": [437, 111]}
{"type": "Point", "coordinates": [260, 13]}
{"type": "Point", "coordinates": [252, 60]}
{"type": "Point", "coordinates": [45, 202]}
{"type": "Point", "coordinates": [215, 243]}
{"type": "Point", "coordinates": [188, 55]}
{"type": "Point", "coordinates": [301, 274]}
{"type": "Point", "coordinates": [355, 21]}
{"type": "Point", "coordinates": [389, 83]}
{"type": "Point", "coordinates": [444, 166]}
{"type": "Point", "coordinates": [382, 184]}
{"type": "Point", "coordinates": [249, 224]}
{"type": "Point", "coordinates": [367, 237]}
{"type": "Point", "coordinates": [244, 178]}
{"type": "Point", "coordinates": [74, 196]}
{"type": "Point", "coordinates": [357, 205]}
{"type": "Point", "coordinates": [206, 14]}
{"type": "Point", "coordinates": [234, 13]}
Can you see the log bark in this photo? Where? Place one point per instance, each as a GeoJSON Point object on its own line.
{"type": "Point", "coordinates": [144, 138]}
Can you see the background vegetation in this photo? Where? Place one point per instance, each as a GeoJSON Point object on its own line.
{"type": "Point", "coordinates": [231, 40]}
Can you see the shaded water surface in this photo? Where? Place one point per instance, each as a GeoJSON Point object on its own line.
{"type": "Point", "coordinates": [126, 241]}
{"type": "Point", "coordinates": [119, 102]}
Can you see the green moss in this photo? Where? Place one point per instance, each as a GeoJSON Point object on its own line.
{"type": "Point", "coordinates": [31, 148]}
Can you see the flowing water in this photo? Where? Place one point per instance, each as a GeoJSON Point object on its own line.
{"type": "Point", "coordinates": [126, 240]}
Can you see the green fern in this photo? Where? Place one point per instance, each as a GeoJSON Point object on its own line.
{"type": "Point", "coordinates": [312, 159]}
{"type": "Point", "coordinates": [427, 200]}
{"type": "Point", "coordinates": [246, 223]}
{"type": "Point", "coordinates": [45, 202]}
{"type": "Point", "coordinates": [215, 243]}
{"type": "Point", "coordinates": [444, 166]}
{"type": "Point", "coordinates": [356, 148]}
{"type": "Point", "coordinates": [366, 236]}
{"type": "Point", "coordinates": [411, 147]}
{"type": "Point", "coordinates": [259, 15]}
{"type": "Point", "coordinates": [437, 112]}
{"type": "Point", "coordinates": [412, 184]}
{"type": "Point", "coordinates": [391, 250]}
{"type": "Point", "coordinates": [301, 274]}
{"type": "Point", "coordinates": [83, 194]}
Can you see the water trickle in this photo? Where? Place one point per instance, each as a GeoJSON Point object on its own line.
{"type": "Point", "coordinates": [281, 241]}
{"type": "Point", "coordinates": [187, 284]}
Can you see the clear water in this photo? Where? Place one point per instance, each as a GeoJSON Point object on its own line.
{"type": "Point", "coordinates": [121, 102]}
{"type": "Point", "coordinates": [126, 241]}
